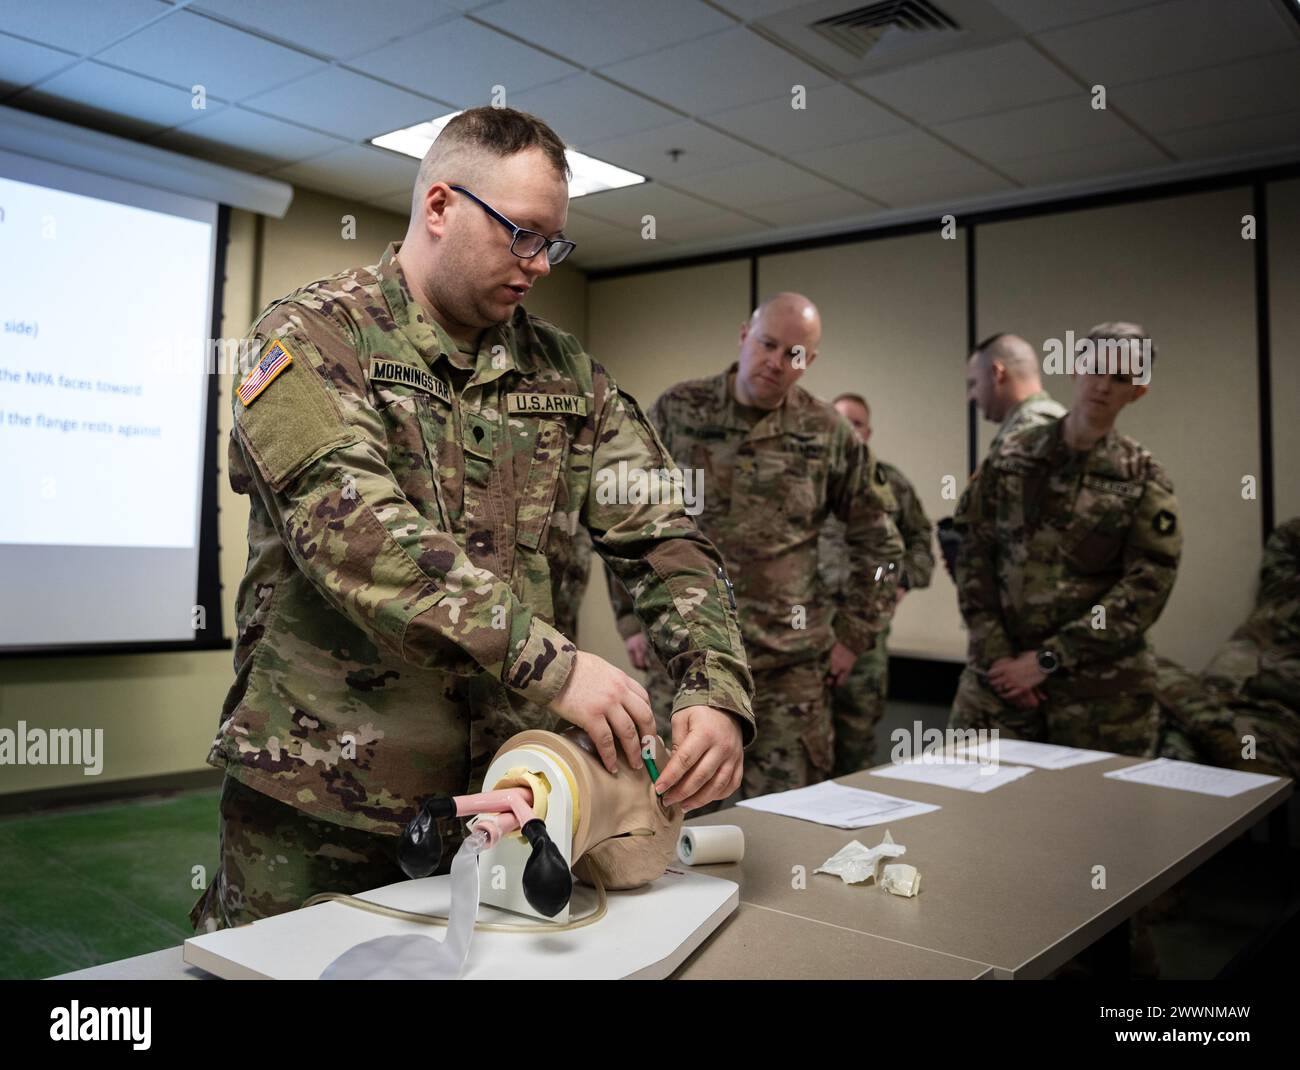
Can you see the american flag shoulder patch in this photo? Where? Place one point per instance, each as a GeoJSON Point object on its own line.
{"type": "Point", "coordinates": [274, 360]}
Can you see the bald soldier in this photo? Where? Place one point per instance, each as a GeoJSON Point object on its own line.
{"type": "Point", "coordinates": [775, 463]}
{"type": "Point", "coordinates": [1070, 546]}
{"type": "Point", "coordinates": [1004, 381]}
{"type": "Point", "coordinates": [418, 453]}
{"type": "Point", "coordinates": [858, 702]}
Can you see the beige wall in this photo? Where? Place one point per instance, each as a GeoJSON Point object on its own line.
{"type": "Point", "coordinates": [652, 330]}
{"type": "Point", "coordinates": [1284, 305]}
{"type": "Point", "coordinates": [1180, 267]}
{"type": "Point", "coordinates": [894, 330]}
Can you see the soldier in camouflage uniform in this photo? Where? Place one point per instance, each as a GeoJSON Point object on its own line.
{"type": "Point", "coordinates": [1003, 381]}
{"type": "Point", "coordinates": [1070, 547]}
{"type": "Point", "coordinates": [418, 452]}
{"type": "Point", "coordinates": [775, 463]}
{"type": "Point", "coordinates": [859, 702]}
{"type": "Point", "coordinates": [1243, 711]}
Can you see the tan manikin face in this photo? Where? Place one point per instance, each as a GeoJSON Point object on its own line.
{"type": "Point", "coordinates": [856, 415]}
{"type": "Point", "coordinates": [478, 281]}
{"type": "Point", "coordinates": [774, 354]}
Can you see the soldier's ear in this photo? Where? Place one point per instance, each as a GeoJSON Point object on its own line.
{"type": "Point", "coordinates": [1138, 391]}
{"type": "Point", "coordinates": [433, 209]}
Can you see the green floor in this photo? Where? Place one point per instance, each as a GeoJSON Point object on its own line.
{"type": "Point", "coordinates": [81, 887]}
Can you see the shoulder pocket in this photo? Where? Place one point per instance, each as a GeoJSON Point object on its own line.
{"type": "Point", "coordinates": [293, 421]}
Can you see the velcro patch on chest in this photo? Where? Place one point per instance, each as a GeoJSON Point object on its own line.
{"type": "Point", "coordinates": [394, 371]}
{"type": "Point", "coordinates": [1132, 491]}
{"type": "Point", "coordinates": [546, 405]}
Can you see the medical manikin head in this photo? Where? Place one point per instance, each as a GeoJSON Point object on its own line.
{"type": "Point", "coordinates": [622, 834]}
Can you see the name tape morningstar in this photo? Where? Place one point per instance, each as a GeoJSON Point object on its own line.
{"type": "Point", "coordinates": [102, 1023]}
{"type": "Point", "coordinates": [54, 746]}
{"type": "Point", "coordinates": [392, 371]}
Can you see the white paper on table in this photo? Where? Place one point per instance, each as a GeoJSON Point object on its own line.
{"type": "Point", "coordinates": [1040, 755]}
{"type": "Point", "coordinates": [1191, 776]}
{"type": "Point", "coordinates": [979, 777]}
{"type": "Point", "coordinates": [837, 805]}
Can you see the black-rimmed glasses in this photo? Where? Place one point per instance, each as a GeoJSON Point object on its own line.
{"type": "Point", "coordinates": [525, 244]}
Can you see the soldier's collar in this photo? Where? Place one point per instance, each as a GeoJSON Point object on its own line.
{"type": "Point", "coordinates": [433, 342]}
{"type": "Point", "coordinates": [411, 317]}
{"type": "Point", "coordinates": [780, 420]}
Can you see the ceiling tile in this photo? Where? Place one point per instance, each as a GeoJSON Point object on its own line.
{"type": "Point", "coordinates": [357, 170]}
{"type": "Point", "coordinates": [22, 63]}
{"type": "Point", "coordinates": [805, 210]}
{"type": "Point", "coordinates": [583, 109]}
{"type": "Point", "coordinates": [113, 100]}
{"type": "Point", "coordinates": [1036, 130]}
{"type": "Point", "coordinates": [1167, 38]}
{"type": "Point", "coordinates": [78, 25]}
{"type": "Point", "coordinates": [758, 9]}
{"type": "Point", "coordinates": [647, 152]}
{"type": "Point", "coordinates": [834, 114]}
{"type": "Point", "coordinates": [461, 62]}
{"type": "Point", "coordinates": [345, 104]}
{"type": "Point", "coordinates": [626, 208]}
{"type": "Point", "coordinates": [585, 228]}
{"type": "Point", "coordinates": [1242, 136]}
{"type": "Point", "coordinates": [962, 84]}
{"type": "Point", "coordinates": [1117, 158]}
{"type": "Point", "coordinates": [1036, 15]}
{"type": "Point", "coordinates": [761, 183]}
{"type": "Point", "coordinates": [268, 141]}
{"type": "Point", "coordinates": [1262, 86]}
{"type": "Point", "coordinates": [596, 32]}
{"type": "Point", "coordinates": [716, 72]}
{"type": "Point", "coordinates": [881, 159]}
{"type": "Point", "coordinates": [397, 202]}
{"type": "Point", "coordinates": [189, 50]}
{"type": "Point", "coordinates": [336, 30]}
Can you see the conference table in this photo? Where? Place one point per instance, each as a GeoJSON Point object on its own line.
{"type": "Point", "coordinates": [1015, 881]}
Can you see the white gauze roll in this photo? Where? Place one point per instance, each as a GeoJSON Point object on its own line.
{"type": "Point", "coordinates": [704, 845]}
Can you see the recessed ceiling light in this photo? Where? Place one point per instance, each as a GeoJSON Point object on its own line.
{"type": "Point", "coordinates": [589, 174]}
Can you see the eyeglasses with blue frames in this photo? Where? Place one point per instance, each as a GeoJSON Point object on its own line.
{"type": "Point", "coordinates": [525, 244]}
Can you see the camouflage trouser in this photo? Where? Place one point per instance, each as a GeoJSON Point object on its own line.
{"type": "Point", "coordinates": [795, 745]}
{"type": "Point", "coordinates": [1120, 724]}
{"type": "Point", "coordinates": [274, 856]}
{"type": "Point", "coordinates": [857, 706]}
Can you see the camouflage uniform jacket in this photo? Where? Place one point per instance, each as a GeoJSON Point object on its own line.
{"type": "Point", "coordinates": [1071, 551]}
{"type": "Point", "coordinates": [404, 536]}
{"type": "Point", "coordinates": [1262, 658]}
{"type": "Point", "coordinates": [768, 487]}
{"type": "Point", "coordinates": [913, 525]}
{"type": "Point", "coordinates": [1039, 408]}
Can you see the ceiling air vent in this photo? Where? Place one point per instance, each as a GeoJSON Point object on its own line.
{"type": "Point", "coordinates": [858, 31]}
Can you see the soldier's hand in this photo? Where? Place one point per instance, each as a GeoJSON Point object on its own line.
{"type": "Point", "coordinates": [1020, 673]}
{"type": "Point", "coordinates": [708, 758]}
{"type": "Point", "coordinates": [842, 661]}
{"type": "Point", "coordinates": [609, 706]}
{"type": "Point", "coordinates": [636, 651]}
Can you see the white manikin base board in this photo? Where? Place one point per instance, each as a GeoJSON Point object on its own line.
{"type": "Point", "coordinates": [646, 933]}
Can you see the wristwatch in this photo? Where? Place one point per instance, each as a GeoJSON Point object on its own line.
{"type": "Point", "coordinates": [1048, 662]}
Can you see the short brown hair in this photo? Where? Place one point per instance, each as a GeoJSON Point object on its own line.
{"type": "Point", "coordinates": [499, 132]}
{"type": "Point", "coordinates": [852, 397]}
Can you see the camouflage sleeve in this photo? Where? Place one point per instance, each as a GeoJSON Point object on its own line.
{"type": "Point", "coordinates": [317, 449]}
{"type": "Point", "coordinates": [858, 493]}
{"type": "Point", "coordinates": [674, 575]}
{"type": "Point", "coordinates": [1131, 606]}
{"type": "Point", "coordinates": [917, 532]}
{"type": "Point", "coordinates": [975, 573]}
{"type": "Point", "coordinates": [1279, 568]}
{"type": "Point", "coordinates": [625, 618]}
